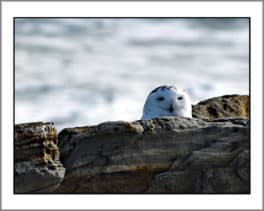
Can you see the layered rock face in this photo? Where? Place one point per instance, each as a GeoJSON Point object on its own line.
{"type": "Point", "coordinates": [206, 154]}
{"type": "Point", "coordinates": [37, 165]}
{"type": "Point", "coordinates": [163, 155]}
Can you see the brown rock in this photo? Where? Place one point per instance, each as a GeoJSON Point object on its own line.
{"type": "Point", "coordinates": [222, 107]}
{"type": "Point", "coordinates": [37, 165]}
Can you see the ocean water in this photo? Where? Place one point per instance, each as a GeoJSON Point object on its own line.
{"type": "Point", "coordinates": [79, 72]}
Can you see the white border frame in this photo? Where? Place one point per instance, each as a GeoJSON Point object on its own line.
{"type": "Point", "coordinates": [132, 9]}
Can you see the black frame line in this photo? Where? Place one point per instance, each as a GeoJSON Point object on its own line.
{"type": "Point", "coordinates": [1, 121]}
{"type": "Point", "coordinates": [132, 1]}
{"type": "Point", "coordinates": [120, 193]}
{"type": "Point", "coordinates": [131, 17]}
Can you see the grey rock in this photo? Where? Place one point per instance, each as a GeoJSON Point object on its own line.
{"type": "Point", "coordinates": [162, 155]}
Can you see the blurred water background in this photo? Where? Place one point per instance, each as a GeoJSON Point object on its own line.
{"type": "Point", "coordinates": [86, 71]}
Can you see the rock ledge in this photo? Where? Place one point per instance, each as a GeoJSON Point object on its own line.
{"type": "Point", "coordinates": [206, 154]}
{"type": "Point", "coordinates": [163, 155]}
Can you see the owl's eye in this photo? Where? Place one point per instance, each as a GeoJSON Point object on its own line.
{"type": "Point", "coordinates": [180, 98]}
{"type": "Point", "coordinates": [160, 98]}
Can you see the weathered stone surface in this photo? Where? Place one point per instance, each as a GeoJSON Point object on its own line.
{"type": "Point", "coordinates": [163, 155]}
{"type": "Point", "coordinates": [206, 154]}
{"type": "Point", "coordinates": [37, 165]}
{"type": "Point", "coordinates": [221, 107]}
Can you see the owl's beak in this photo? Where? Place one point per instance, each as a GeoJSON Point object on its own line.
{"type": "Point", "coordinates": [171, 109]}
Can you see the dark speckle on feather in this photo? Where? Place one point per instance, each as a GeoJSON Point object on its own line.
{"type": "Point", "coordinates": [162, 88]}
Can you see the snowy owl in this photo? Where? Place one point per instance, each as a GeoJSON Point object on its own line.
{"type": "Point", "coordinates": [167, 101]}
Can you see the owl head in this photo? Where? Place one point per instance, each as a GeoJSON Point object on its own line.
{"type": "Point", "coordinates": [167, 101]}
